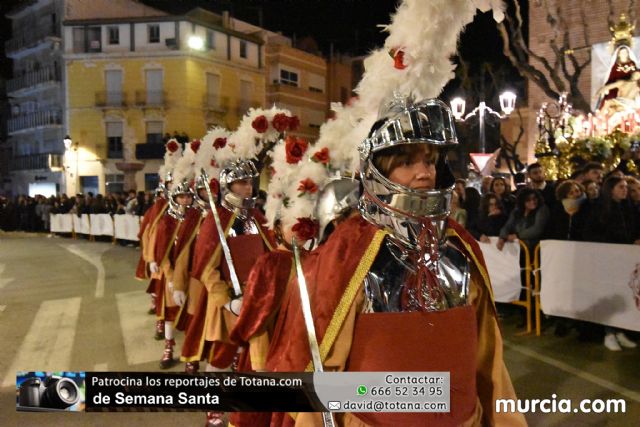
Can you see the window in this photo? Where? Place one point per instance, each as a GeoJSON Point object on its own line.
{"type": "Point", "coordinates": [114, 88]}
{"type": "Point", "coordinates": [154, 132]}
{"type": "Point", "coordinates": [288, 78]}
{"type": "Point", "coordinates": [94, 35]}
{"type": "Point", "coordinates": [213, 90]}
{"type": "Point", "coordinates": [153, 31]}
{"type": "Point", "coordinates": [210, 42]}
{"type": "Point", "coordinates": [316, 83]}
{"type": "Point", "coordinates": [246, 92]}
{"type": "Point", "coordinates": [114, 182]}
{"type": "Point", "coordinates": [114, 35]}
{"type": "Point", "coordinates": [243, 49]}
{"type": "Point", "coordinates": [78, 40]}
{"type": "Point", "coordinates": [114, 140]}
{"type": "Point", "coordinates": [151, 181]}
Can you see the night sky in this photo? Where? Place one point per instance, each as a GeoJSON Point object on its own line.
{"type": "Point", "coordinates": [347, 26]}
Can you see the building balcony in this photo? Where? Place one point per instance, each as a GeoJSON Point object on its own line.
{"type": "Point", "coordinates": [34, 78]}
{"type": "Point", "coordinates": [49, 161]}
{"type": "Point", "coordinates": [151, 99]}
{"type": "Point", "coordinates": [31, 37]}
{"type": "Point", "coordinates": [105, 99]}
{"type": "Point", "coordinates": [215, 103]}
{"type": "Point", "coordinates": [278, 88]}
{"type": "Point", "coordinates": [149, 151]}
{"type": "Point", "coordinates": [34, 120]}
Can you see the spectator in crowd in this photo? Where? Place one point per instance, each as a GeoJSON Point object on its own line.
{"type": "Point", "coordinates": [486, 184]}
{"type": "Point", "coordinates": [131, 202]}
{"type": "Point", "coordinates": [537, 181]}
{"type": "Point", "coordinates": [567, 216]}
{"type": "Point", "coordinates": [527, 221]}
{"type": "Point", "coordinates": [501, 188]}
{"type": "Point", "coordinates": [458, 213]}
{"type": "Point", "coordinates": [145, 200]}
{"type": "Point", "coordinates": [614, 221]}
{"type": "Point", "coordinates": [634, 194]}
{"type": "Point", "coordinates": [591, 189]}
{"type": "Point", "coordinates": [98, 205]}
{"type": "Point", "coordinates": [592, 171]}
{"type": "Point", "coordinates": [491, 218]}
{"type": "Point", "coordinates": [471, 204]}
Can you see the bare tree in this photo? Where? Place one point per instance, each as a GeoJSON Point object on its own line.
{"type": "Point", "coordinates": [561, 72]}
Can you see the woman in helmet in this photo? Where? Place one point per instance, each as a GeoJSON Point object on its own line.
{"type": "Point", "coordinates": [378, 280]}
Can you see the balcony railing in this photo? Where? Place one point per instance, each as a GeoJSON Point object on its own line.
{"type": "Point", "coordinates": [149, 151]}
{"type": "Point", "coordinates": [217, 103]}
{"type": "Point", "coordinates": [105, 99]}
{"type": "Point", "coordinates": [49, 74]}
{"type": "Point", "coordinates": [34, 120]}
{"type": "Point", "coordinates": [30, 37]}
{"type": "Point", "coordinates": [154, 99]}
{"type": "Point", "coordinates": [36, 161]}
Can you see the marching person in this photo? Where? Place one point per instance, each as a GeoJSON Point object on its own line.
{"type": "Point", "coordinates": [379, 279]}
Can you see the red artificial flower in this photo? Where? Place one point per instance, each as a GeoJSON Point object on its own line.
{"type": "Point", "coordinates": [260, 124]}
{"type": "Point", "coordinates": [219, 143]}
{"type": "Point", "coordinates": [195, 145]}
{"type": "Point", "coordinates": [307, 186]}
{"type": "Point", "coordinates": [321, 156]}
{"type": "Point", "coordinates": [294, 122]}
{"type": "Point", "coordinates": [306, 229]}
{"type": "Point", "coordinates": [172, 146]}
{"type": "Point", "coordinates": [280, 122]}
{"type": "Point", "coordinates": [295, 149]}
{"type": "Point", "coordinates": [214, 163]}
{"type": "Point", "coordinates": [398, 59]}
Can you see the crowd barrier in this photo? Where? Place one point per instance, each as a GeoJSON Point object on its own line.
{"type": "Point", "coordinates": [594, 282]}
{"type": "Point", "coordinates": [124, 227]}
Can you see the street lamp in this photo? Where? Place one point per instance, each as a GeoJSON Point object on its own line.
{"type": "Point", "coordinates": [195, 42]}
{"type": "Point", "coordinates": [507, 105]}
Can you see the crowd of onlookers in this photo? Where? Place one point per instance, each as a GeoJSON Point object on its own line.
{"type": "Point", "coordinates": [25, 213]}
{"type": "Point", "coordinates": [591, 206]}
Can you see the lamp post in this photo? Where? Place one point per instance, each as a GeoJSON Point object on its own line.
{"type": "Point", "coordinates": [507, 105]}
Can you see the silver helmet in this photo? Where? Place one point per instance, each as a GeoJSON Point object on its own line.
{"type": "Point", "coordinates": [339, 195]}
{"type": "Point", "coordinates": [238, 170]}
{"type": "Point", "coordinates": [175, 209]}
{"type": "Point", "coordinates": [396, 208]}
{"type": "Point", "coordinates": [200, 184]}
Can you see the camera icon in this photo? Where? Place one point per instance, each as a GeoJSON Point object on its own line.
{"type": "Point", "coordinates": [53, 393]}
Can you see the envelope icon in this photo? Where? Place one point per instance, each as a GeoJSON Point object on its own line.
{"type": "Point", "coordinates": [334, 406]}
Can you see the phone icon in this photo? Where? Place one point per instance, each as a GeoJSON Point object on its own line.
{"type": "Point", "coordinates": [362, 390]}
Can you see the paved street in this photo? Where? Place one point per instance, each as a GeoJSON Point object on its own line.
{"type": "Point", "coordinates": [74, 305]}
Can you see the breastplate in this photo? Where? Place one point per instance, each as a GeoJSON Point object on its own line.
{"type": "Point", "coordinates": [392, 271]}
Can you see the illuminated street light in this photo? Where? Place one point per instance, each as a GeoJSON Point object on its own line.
{"type": "Point", "coordinates": [195, 43]}
{"type": "Point", "coordinates": [507, 105]}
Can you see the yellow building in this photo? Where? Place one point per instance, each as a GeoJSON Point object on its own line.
{"type": "Point", "coordinates": [134, 74]}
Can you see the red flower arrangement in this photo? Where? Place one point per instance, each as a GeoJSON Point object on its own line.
{"type": "Point", "coordinates": [219, 143]}
{"type": "Point", "coordinates": [307, 186]}
{"type": "Point", "coordinates": [280, 122]}
{"type": "Point", "coordinates": [172, 146]}
{"type": "Point", "coordinates": [295, 149]}
{"type": "Point", "coordinates": [294, 122]}
{"type": "Point", "coordinates": [321, 156]}
{"type": "Point", "coordinates": [306, 228]}
{"type": "Point", "coordinates": [260, 124]}
{"type": "Point", "coordinates": [195, 145]}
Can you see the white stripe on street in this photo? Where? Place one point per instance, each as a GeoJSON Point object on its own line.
{"type": "Point", "coordinates": [92, 258]}
{"type": "Point", "coordinates": [100, 367]}
{"type": "Point", "coordinates": [49, 343]}
{"type": "Point", "coordinates": [4, 281]}
{"type": "Point", "coordinates": [138, 329]}
{"type": "Point", "coordinates": [630, 394]}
